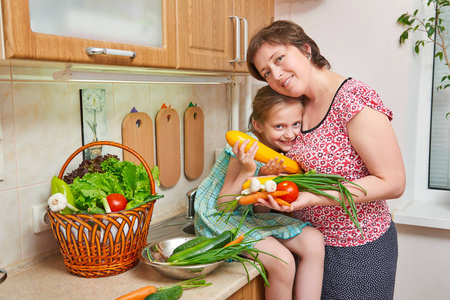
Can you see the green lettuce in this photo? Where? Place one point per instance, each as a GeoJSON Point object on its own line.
{"type": "Point", "coordinates": [122, 177]}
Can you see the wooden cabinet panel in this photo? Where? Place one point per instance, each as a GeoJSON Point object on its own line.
{"type": "Point", "coordinates": [205, 35]}
{"type": "Point", "coordinates": [258, 14]}
{"type": "Point", "coordinates": [251, 291]}
{"type": "Point", "coordinates": [22, 43]}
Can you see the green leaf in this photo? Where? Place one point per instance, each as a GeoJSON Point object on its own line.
{"type": "Point", "coordinates": [403, 37]}
{"type": "Point", "coordinates": [416, 49]}
{"type": "Point", "coordinates": [155, 175]}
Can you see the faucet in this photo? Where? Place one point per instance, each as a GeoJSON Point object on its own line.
{"type": "Point", "coordinates": [190, 203]}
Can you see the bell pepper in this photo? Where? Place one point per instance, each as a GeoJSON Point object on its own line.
{"type": "Point", "coordinates": [60, 186]}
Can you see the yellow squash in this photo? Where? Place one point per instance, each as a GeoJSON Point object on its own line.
{"type": "Point", "coordinates": [264, 153]}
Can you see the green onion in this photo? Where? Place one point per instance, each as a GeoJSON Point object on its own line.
{"type": "Point", "coordinates": [318, 183]}
{"type": "Point", "coordinates": [230, 252]}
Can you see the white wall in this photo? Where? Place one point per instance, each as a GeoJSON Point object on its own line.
{"type": "Point", "coordinates": [360, 40]}
{"type": "Point", "coordinates": [41, 127]}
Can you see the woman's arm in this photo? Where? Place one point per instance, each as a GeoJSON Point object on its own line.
{"type": "Point", "coordinates": [373, 137]}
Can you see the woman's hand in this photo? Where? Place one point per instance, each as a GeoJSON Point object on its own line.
{"type": "Point", "coordinates": [272, 167]}
{"type": "Point", "coordinates": [304, 199]}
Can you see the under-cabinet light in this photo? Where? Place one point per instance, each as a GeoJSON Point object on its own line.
{"type": "Point", "coordinates": [68, 74]}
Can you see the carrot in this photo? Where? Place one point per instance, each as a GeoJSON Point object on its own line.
{"type": "Point", "coordinates": [139, 294]}
{"type": "Point", "coordinates": [252, 198]}
{"type": "Point", "coordinates": [281, 201]}
{"type": "Point", "coordinates": [235, 241]}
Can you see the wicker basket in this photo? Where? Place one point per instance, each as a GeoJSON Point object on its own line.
{"type": "Point", "coordinates": [104, 244]}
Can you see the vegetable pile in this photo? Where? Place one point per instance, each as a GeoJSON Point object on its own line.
{"type": "Point", "coordinates": [170, 292]}
{"type": "Point", "coordinates": [201, 250]}
{"type": "Point", "coordinates": [102, 185]}
{"type": "Point", "coordinates": [288, 188]}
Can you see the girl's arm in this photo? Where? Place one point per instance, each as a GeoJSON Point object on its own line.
{"type": "Point", "coordinates": [373, 137]}
{"type": "Point", "coordinates": [239, 169]}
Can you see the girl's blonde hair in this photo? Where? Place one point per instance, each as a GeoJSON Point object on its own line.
{"type": "Point", "coordinates": [265, 99]}
{"type": "Point", "coordinates": [283, 33]}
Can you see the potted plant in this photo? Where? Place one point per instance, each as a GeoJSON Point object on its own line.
{"type": "Point", "coordinates": [435, 32]}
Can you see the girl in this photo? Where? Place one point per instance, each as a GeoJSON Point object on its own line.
{"type": "Point", "coordinates": [346, 130]}
{"type": "Point", "coordinates": [275, 121]}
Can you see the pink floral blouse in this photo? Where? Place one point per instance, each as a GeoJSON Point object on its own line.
{"type": "Point", "coordinates": [327, 149]}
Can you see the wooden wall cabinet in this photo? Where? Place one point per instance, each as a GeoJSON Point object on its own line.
{"type": "Point", "coordinates": [207, 34]}
{"type": "Point", "coordinates": [20, 42]}
{"type": "Point", "coordinates": [196, 34]}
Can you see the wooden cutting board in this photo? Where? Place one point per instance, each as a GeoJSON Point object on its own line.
{"type": "Point", "coordinates": [168, 152]}
{"type": "Point", "coordinates": [137, 134]}
{"type": "Point", "coordinates": [193, 142]}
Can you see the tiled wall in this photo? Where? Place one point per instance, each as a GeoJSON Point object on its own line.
{"type": "Point", "coordinates": [41, 128]}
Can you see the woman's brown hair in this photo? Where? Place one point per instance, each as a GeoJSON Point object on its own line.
{"type": "Point", "coordinates": [265, 99]}
{"type": "Point", "coordinates": [283, 33]}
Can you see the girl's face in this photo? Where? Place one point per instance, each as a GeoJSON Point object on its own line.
{"type": "Point", "coordinates": [286, 69]}
{"type": "Point", "coordinates": [282, 126]}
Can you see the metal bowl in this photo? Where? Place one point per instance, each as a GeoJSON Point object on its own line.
{"type": "Point", "coordinates": [3, 275]}
{"type": "Point", "coordinates": [155, 254]}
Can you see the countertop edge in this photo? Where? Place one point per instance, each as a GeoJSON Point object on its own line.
{"type": "Point", "coordinates": [50, 279]}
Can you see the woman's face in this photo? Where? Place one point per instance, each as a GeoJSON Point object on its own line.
{"type": "Point", "coordinates": [282, 126]}
{"type": "Point", "coordinates": [286, 69]}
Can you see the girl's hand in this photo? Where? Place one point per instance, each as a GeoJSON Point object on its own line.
{"type": "Point", "coordinates": [246, 159]}
{"type": "Point", "coordinates": [273, 167]}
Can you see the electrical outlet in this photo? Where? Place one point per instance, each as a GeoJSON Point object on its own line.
{"type": "Point", "coordinates": [37, 216]}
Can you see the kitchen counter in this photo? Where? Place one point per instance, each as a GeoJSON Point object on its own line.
{"type": "Point", "coordinates": [51, 280]}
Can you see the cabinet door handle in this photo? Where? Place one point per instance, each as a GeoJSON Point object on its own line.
{"type": "Point", "coordinates": [238, 39]}
{"type": "Point", "coordinates": [105, 51]}
{"type": "Point", "coordinates": [245, 39]}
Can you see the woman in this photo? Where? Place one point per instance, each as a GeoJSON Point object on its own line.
{"type": "Point", "coordinates": [346, 130]}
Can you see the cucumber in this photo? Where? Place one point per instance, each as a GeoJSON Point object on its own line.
{"type": "Point", "coordinates": [212, 243]}
{"type": "Point", "coordinates": [190, 243]}
{"type": "Point", "coordinates": [172, 293]}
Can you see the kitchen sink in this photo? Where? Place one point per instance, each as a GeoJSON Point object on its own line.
{"type": "Point", "coordinates": [189, 229]}
{"type": "Point", "coordinates": [178, 226]}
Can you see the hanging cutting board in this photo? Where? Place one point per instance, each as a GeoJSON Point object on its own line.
{"type": "Point", "coordinates": [168, 152]}
{"type": "Point", "coordinates": [137, 133]}
{"type": "Point", "coordinates": [193, 142]}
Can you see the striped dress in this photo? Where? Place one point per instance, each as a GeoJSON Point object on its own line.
{"type": "Point", "coordinates": [208, 223]}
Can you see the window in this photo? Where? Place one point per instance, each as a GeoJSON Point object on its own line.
{"type": "Point", "coordinates": [439, 163]}
{"type": "Point", "coordinates": [426, 199]}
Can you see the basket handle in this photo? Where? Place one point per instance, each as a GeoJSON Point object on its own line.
{"type": "Point", "coordinates": [149, 172]}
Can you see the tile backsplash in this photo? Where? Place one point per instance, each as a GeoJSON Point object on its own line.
{"type": "Point", "coordinates": [41, 127]}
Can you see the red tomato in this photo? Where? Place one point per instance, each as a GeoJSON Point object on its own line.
{"type": "Point", "coordinates": [289, 187]}
{"type": "Point", "coordinates": [117, 202]}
